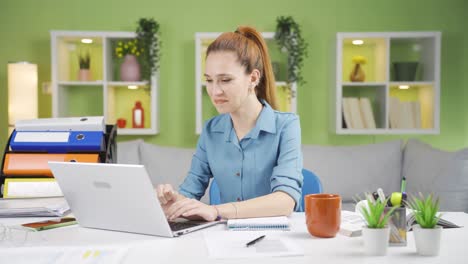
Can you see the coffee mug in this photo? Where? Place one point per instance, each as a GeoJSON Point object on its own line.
{"type": "Point", "coordinates": [323, 214]}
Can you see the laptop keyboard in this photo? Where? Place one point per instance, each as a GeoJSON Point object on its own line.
{"type": "Point", "coordinates": [176, 226]}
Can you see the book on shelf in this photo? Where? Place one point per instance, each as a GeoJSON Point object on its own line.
{"type": "Point", "coordinates": [347, 113]}
{"type": "Point", "coordinates": [259, 223]}
{"type": "Point", "coordinates": [367, 113]}
{"type": "Point", "coordinates": [355, 110]}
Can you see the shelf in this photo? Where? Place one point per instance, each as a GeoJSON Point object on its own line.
{"type": "Point", "coordinates": [81, 83]}
{"type": "Point", "coordinates": [103, 95]}
{"type": "Point", "coordinates": [404, 99]}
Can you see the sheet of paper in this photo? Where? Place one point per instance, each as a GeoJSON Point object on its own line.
{"type": "Point", "coordinates": [69, 255]}
{"type": "Point", "coordinates": [225, 244]}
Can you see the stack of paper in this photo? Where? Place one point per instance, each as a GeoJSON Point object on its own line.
{"type": "Point", "coordinates": [33, 207]}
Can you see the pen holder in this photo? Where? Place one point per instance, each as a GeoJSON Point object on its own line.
{"type": "Point", "coordinates": [397, 224]}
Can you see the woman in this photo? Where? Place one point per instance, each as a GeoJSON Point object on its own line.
{"type": "Point", "coordinates": [252, 151]}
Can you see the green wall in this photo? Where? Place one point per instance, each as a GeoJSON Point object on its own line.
{"type": "Point", "coordinates": [25, 25]}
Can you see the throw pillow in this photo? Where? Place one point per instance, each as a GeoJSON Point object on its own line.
{"type": "Point", "coordinates": [352, 170]}
{"type": "Point", "coordinates": [444, 173]}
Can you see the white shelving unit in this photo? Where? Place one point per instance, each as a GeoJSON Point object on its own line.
{"type": "Point", "coordinates": [400, 105]}
{"type": "Point", "coordinates": [105, 94]}
{"type": "Point", "coordinates": [202, 41]}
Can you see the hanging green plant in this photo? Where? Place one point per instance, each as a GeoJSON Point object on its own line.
{"type": "Point", "coordinates": [289, 39]}
{"type": "Point", "coordinates": [147, 35]}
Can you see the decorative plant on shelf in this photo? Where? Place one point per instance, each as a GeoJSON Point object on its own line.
{"type": "Point", "coordinates": [128, 47]}
{"type": "Point", "coordinates": [357, 74]}
{"type": "Point", "coordinates": [147, 33]}
{"type": "Point", "coordinates": [130, 70]}
{"type": "Point", "coordinates": [289, 39]}
{"type": "Point", "coordinates": [426, 232]}
{"type": "Point", "coordinates": [84, 60]}
{"type": "Point", "coordinates": [376, 234]}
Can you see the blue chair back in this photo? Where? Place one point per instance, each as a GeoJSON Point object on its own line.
{"type": "Point", "coordinates": [311, 185]}
{"type": "Point", "coordinates": [215, 194]}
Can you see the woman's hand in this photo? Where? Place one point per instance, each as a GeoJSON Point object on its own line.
{"type": "Point", "coordinates": [167, 196]}
{"type": "Point", "coordinates": [192, 209]}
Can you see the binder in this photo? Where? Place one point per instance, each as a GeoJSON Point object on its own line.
{"type": "Point", "coordinates": [57, 142]}
{"type": "Point", "coordinates": [35, 164]}
{"type": "Point", "coordinates": [31, 187]}
{"type": "Point", "coordinates": [86, 123]}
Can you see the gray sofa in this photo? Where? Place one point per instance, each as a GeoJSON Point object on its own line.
{"type": "Point", "coordinates": [345, 170]}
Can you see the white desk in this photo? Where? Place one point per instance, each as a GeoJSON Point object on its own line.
{"type": "Point", "coordinates": [191, 248]}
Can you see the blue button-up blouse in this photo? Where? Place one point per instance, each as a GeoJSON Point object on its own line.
{"type": "Point", "coordinates": [266, 160]}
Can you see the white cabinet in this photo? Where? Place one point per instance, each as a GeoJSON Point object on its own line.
{"type": "Point", "coordinates": [102, 93]}
{"type": "Point", "coordinates": [286, 95]}
{"type": "Point", "coordinates": [401, 83]}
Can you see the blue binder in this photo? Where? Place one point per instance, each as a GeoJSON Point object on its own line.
{"type": "Point", "coordinates": [57, 141]}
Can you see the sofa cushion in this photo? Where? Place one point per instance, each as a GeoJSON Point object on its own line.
{"type": "Point", "coordinates": [443, 173]}
{"type": "Point", "coordinates": [128, 152]}
{"type": "Point", "coordinates": [352, 170]}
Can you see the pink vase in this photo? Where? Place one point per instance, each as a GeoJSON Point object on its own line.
{"type": "Point", "coordinates": [130, 69]}
{"type": "Point", "coordinates": [84, 75]}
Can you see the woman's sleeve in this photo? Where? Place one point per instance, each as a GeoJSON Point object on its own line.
{"type": "Point", "coordinates": [198, 178]}
{"type": "Point", "coordinates": [287, 174]}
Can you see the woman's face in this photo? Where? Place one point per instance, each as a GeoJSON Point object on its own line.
{"type": "Point", "coordinates": [227, 83]}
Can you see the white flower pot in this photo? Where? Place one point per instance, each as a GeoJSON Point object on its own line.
{"type": "Point", "coordinates": [427, 240]}
{"type": "Point", "coordinates": [375, 240]}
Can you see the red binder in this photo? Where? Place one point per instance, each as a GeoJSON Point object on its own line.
{"type": "Point", "coordinates": [35, 164]}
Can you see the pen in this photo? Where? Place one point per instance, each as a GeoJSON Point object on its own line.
{"type": "Point", "coordinates": [254, 241]}
{"type": "Point", "coordinates": [403, 185]}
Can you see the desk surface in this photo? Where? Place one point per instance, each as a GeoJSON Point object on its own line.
{"type": "Point", "coordinates": [191, 248]}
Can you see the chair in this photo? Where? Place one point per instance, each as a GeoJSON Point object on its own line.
{"type": "Point", "coordinates": [311, 185]}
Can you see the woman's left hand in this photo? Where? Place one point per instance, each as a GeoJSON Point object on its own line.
{"type": "Point", "coordinates": [190, 208]}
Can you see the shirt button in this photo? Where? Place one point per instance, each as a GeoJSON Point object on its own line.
{"type": "Point", "coordinates": [239, 199]}
{"type": "Point", "coordinates": [238, 174]}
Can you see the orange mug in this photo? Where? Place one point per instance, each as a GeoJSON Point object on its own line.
{"type": "Point", "coordinates": [323, 214]}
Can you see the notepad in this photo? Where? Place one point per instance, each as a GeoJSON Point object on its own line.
{"type": "Point", "coordinates": [260, 223]}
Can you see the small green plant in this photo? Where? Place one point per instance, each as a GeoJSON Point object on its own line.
{"type": "Point", "coordinates": [289, 38]}
{"type": "Point", "coordinates": [425, 209]}
{"type": "Point", "coordinates": [128, 47]}
{"type": "Point", "coordinates": [375, 214]}
{"type": "Point", "coordinates": [84, 61]}
{"type": "Point", "coordinates": [148, 34]}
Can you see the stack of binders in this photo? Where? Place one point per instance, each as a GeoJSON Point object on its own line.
{"type": "Point", "coordinates": [25, 171]}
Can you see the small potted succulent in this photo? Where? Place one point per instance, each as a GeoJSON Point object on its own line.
{"type": "Point", "coordinates": [376, 233]}
{"type": "Point", "coordinates": [426, 232]}
{"type": "Point", "coordinates": [84, 60]}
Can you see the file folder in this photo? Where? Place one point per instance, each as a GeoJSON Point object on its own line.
{"type": "Point", "coordinates": [35, 164]}
{"type": "Point", "coordinates": [31, 187]}
{"type": "Point", "coordinates": [57, 142]}
{"type": "Point", "coordinates": [86, 123]}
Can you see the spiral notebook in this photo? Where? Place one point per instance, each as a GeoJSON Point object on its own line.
{"type": "Point", "coordinates": [260, 223]}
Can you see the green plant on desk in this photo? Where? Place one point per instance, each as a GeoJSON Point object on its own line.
{"type": "Point", "coordinates": [424, 209]}
{"type": "Point", "coordinates": [375, 215]}
{"type": "Point", "coordinates": [426, 233]}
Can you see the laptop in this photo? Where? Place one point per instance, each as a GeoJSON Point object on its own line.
{"type": "Point", "coordinates": [117, 197]}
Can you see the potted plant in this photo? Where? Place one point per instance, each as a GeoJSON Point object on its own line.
{"type": "Point", "coordinates": [376, 233]}
{"type": "Point", "coordinates": [289, 38]}
{"type": "Point", "coordinates": [426, 232]}
{"type": "Point", "coordinates": [147, 34]}
{"type": "Point", "coordinates": [84, 74]}
{"type": "Point", "coordinates": [129, 50]}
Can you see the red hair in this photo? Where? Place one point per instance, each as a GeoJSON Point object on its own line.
{"type": "Point", "coordinates": [252, 53]}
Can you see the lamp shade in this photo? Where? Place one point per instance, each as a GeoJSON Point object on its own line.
{"type": "Point", "coordinates": [22, 92]}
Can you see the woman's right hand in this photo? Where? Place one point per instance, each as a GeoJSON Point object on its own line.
{"type": "Point", "coordinates": [166, 195]}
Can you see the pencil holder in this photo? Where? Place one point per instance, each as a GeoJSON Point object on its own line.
{"type": "Point", "coordinates": [397, 224]}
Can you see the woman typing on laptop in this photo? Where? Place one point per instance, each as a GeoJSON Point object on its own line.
{"type": "Point", "coordinates": [252, 151]}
